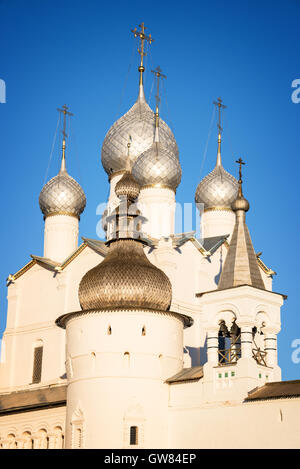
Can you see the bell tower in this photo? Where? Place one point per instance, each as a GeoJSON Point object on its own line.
{"type": "Point", "coordinates": [242, 318]}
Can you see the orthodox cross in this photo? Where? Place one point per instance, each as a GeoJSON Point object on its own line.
{"type": "Point", "coordinates": [240, 162]}
{"type": "Point", "coordinates": [141, 50]}
{"type": "Point", "coordinates": [220, 106]}
{"type": "Point", "coordinates": [65, 112]}
{"type": "Point", "coordinates": [158, 75]}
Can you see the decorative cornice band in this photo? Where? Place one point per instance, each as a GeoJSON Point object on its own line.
{"type": "Point", "coordinates": [62, 320]}
{"type": "Point", "coordinates": [218, 209]}
{"type": "Point", "coordinates": [69, 214]}
{"type": "Point", "coordinates": [158, 186]}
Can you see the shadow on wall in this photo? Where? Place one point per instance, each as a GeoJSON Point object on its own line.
{"type": "Point", "coordinates": [198, 355]}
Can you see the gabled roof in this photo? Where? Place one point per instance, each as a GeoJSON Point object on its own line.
{"type": "Point", "coordinates": [275, 390]}
{"type": "Point", "coordinates": [206, 246]}
{"type": "Point", "coordinates": [47, 263]}
{"type": "Point", "coordinates": [187, 374]}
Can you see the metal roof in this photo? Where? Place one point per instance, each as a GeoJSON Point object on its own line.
{"type": "Point", "coordinates": [21, 401]}
{"type": "Point", "coordinates": [187, 374]}
{"type": "Point", "coordinates": [275, 390]}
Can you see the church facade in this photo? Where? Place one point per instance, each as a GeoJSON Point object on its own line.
{"type": "Point", "coordinates": [150, 339]}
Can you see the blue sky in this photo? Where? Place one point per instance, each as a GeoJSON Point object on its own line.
{"type": "Point", "coordinates": [82, 53]}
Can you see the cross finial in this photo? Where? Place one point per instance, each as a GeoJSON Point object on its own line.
{"type": "Point", "coordinates": [220, 106]}
{"type": "Point", "coordinates": [65, 112]}
{"type": "Point", "coordinates": [141, 49]}
{"type": "Point", "coordinates": [240, 162]}
{"type": "Point", "coordinates": [158, 74]}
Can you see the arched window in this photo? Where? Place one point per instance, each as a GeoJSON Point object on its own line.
{"type": "Point", "coordinates": [58, 442]}
{"type": "Point", "coordinates": [27, 440]}
{"type": "Point", "coordinates": [43, 440]}
{"type": "Point", "coordinates": [37, 363]}
{"type": "Point", "coordinates": [133, 435]}
{"type": "Point", "coordinates": [11, 441]}
{"type": "Point", "coordinates": [109, 330]}
{"type": "Point", "coordinates": [144, 330]}
{"type": "Point", "coordinates": [229, 349]}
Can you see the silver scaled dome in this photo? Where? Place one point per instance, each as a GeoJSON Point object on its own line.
{"type": "Point", "coordinates": [218, 189]}
{"type": "Point", "coordinates": [158, 166]}
{"type": "Point", "coordinates": [139, 124]}
{"type": "Point", "coordinates": [62, 195]}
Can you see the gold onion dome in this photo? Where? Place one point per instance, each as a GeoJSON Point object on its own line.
{"type": "Point", "coordinates": [219, 188]}
{"type": "Point", "coordinates": [127, 186]}
{"type": "Point", "coordinates": [125, 279]}
{"type": "Point", "coordinates": [158, 166]}
{"type": "Point", "coordinates": [240, 202]}
{"type": "Point", "coordinates": [139, 123]}
{"type": "Point", "coordinates": [62, 195]}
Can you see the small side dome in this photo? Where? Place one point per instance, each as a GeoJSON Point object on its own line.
{"type": "Point", "coordinates": [62, 195]}
{"type": "Point", "coordinates": [240, 204]}
{"type": "Point", "coordinates": [125, 279]}
{"type": "Point", "coordinates": [127, 187]}
{"type": "Point", "coordinates": [158, 166]}
{"type": "Point", "coordinates": [217, 190]}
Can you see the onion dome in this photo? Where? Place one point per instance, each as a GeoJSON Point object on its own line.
{"type": "Point", "coordinates": [125, 278]}
{"type": "Point", "coordinates": [219, 188]}
{"type": "Point", "coordinates": [127, 185]}
{"type": "Point", "coordinates": [158, 166]}
{"type": "Point", "coordinates": [139, 123]}
{"type": "Point", "coordinates": [240, 203]}
{"type": "Point", "coordinates": [62, 195]}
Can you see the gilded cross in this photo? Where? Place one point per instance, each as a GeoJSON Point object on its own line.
{"type": "Point", "coordinates": [240, 162]}
{"type": "Point", "coordinates": [158, 75]}
{"type": "Point", "coordinates": [141, 49]}
{"type": "Point", "coordinates": [220, 106]}
{"type": "Point", "coordinates": [65, 112]}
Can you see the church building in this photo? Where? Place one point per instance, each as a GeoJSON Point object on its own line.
{"type": "Point", "coordinates": [151, 338]}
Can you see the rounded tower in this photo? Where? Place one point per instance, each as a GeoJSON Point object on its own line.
{"type": "Point", "coordinates": [62, 200]}
{"type": "Point", "coordinates": [125, 337]}
{"type": "Point", "coordinates": [215, 194]}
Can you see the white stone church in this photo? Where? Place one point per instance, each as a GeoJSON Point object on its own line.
{"type": "Point", "coordinates": [152, 338]}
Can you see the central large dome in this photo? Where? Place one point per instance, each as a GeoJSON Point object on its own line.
{"type": "Point", "coordinates": [138, 124]}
